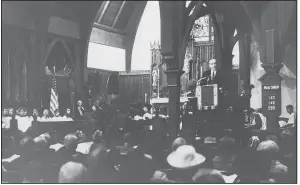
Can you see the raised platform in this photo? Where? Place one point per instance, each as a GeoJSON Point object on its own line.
{"type": "Point", "coordinates": [166, 100]}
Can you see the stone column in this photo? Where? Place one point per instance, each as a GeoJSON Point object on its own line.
{"type": "Point", "coordinates": [245, 61]}
{"type": "Point", "coordinates": [173, 55]}
{"type": "Point", "coordinates": [226, 52]}
{"type": "Point", "coordinates": [271, 94]}
{"type": "Point", "coordinates": [173, 78]}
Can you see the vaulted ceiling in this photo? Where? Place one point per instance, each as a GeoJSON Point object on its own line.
{"type": "Point", "coordinates": [113, 16]}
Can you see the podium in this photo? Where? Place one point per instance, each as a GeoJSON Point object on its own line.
{"type": "Point", "coordinates": [207, 96]}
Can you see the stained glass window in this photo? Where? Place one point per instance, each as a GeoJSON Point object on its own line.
{"type": "Point", "coordinates": [203, 30]}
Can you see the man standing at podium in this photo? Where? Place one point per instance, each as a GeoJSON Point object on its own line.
{"type": "Point", "coordinates": [212, 76]}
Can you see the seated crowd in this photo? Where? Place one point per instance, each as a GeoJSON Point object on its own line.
{"type": "Point", "coordinates": [126, 154]}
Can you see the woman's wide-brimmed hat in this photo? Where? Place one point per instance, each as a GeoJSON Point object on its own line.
{"type": "Point", "coordinates": [185, 157]}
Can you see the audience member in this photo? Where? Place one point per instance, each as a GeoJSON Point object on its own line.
{"type": "Point", "coordinates": [73, 172]}
{"type": "Point", "coordinates": [253, 142]}
{"type": "Point", "coordinates": [33, 172]}
{"type": "Point", "coordinates": [67, 152]}
{"type": "Point", "coordinates": [208, 176]}
{"type": "Point", "coordinates": [138, 169]}
{"type": "Point", "coordinates": [177, 143]}
{"type": "Point", "coordinates": [98, 140]}
{"type": "Point", "coordinates": [185, 162]}
{"type": "Point", "coordinates": [99, 166]}
{"type": "Point", "coordinates": [270, 151]}
{"type": "Point", "coordinates": [272, 137]}
{"type": "Point", "coordinates": [224, 160]}
{"type": "Point", "coordinates": [122, 154]}
{"type": "Point", "coordinates": [250, 167]}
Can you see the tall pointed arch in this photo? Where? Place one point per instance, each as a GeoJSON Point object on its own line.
{"type": "Point", "coordinates": [149, 30]}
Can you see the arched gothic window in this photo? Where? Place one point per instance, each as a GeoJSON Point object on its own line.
{"type": "Point", "coordinates": [149, 30]}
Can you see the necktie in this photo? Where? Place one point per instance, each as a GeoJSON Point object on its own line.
{"type": "Point", "coordinates": [212, 75]}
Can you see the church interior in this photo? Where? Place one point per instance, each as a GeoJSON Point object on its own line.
{"type": "Point", "coordinates": [214, 99]}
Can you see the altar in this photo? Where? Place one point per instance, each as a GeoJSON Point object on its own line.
{"type": "Point", "coordinates": [163, 103]}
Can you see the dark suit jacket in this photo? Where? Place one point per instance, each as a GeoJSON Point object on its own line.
{"type": "Point", "coordinates": [78, 115]}
{"type": "Point", "coordinates": [217, 80]}
{"type": "Point", "coordinates": [258, 122]}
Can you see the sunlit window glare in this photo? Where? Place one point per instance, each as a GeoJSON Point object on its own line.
{"type": "Point", "coordinates": [192, 11]}
{"type": "Point", "coordinates": [148, 31]}
{"type": "Point", "coordinates": [187, 3]}
{"type": "Point", "coordinates": [235, 32]}
{"type": "Point", "coordinates": [105, 57]}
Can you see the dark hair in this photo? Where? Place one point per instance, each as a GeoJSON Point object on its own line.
{"type": "Point", "coordinates": [97, 136]}
{"type": "Point", "coordinates": [66, 111]}
{"type": "Point", "coordinates": [250, 110]}
{"type": "Point", "coordinates": [226, 145]}
{"type": "Point", "coordinates": [290, 107]}
{"type": "Point", "coordinates": [178, 142]}
{"type": "Point", "coordinates": [251, 162]}
{"type": "Point", "coordinates": [26, 145]}
{"type": "Point", "coordinates": [97, 162]}
{"type": "Point", "coordinates": [138, 169]}
{"type": "Point", "coordinates": [32, 172]}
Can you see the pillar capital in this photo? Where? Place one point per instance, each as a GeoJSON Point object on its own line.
{"type": "Point", "coordinates": [169, 59]}
{"type": "Point", "coordinates": [173, 77]}
{"type": "Point", "coordinates": [272, 67]}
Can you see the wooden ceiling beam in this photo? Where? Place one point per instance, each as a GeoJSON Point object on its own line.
{"type": "Point", "coordinates": [105, 5]}
{"type": "Point", "coordinates": [110, 29]}
{"type": "Point", "coordinates": [118, 15]}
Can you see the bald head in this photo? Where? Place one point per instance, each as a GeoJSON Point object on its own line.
{"type": "Point", "coordinates": [72, 172]}
{"type": "Point", "coordinates": [208, 176]}
{"type": "Point", "coordinates": [177, 143]}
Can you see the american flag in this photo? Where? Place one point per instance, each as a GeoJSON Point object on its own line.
{"type": "Point", "coordinates": [54, 97]}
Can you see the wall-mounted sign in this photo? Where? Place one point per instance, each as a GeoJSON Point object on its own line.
{"type": "Point", "coordinates": [271, 98]}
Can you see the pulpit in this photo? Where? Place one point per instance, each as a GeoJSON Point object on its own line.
{"type": "Point", "coordinates": [207, 96]}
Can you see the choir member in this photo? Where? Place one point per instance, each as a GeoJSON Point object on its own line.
{"type": "Point", "coordinates": [79, 112]}
{"type": "Point", "coordinates": [5, 119]}
{"type": "Point", "coordinates": [35, 115]}
{"type": "Point", "coordinates": [57, 116]}
{"type": "Point", "coordinates": [45, 116]}
{"type": "Point", "coordinates": [67, 115]}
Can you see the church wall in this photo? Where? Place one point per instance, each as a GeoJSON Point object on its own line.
{"type": "Point", "coordinates": [24, 53]}
{"type": "Point", "coordinates": [132, 86]}
{"type": "Point", "coordinates": [287, 55]}
{"type": "Point", "coordinates": [64, 27]}
{"type": "Point", "coordinates": [17, 16]}
{"type": "Point", "coordinates": [288, 72]}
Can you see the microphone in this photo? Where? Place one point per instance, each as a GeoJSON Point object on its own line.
{"type": "Point", "coordinates": [201, 79]}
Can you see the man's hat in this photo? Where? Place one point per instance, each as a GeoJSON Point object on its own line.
{"type": "Point", "coordinates": [185, 157]}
